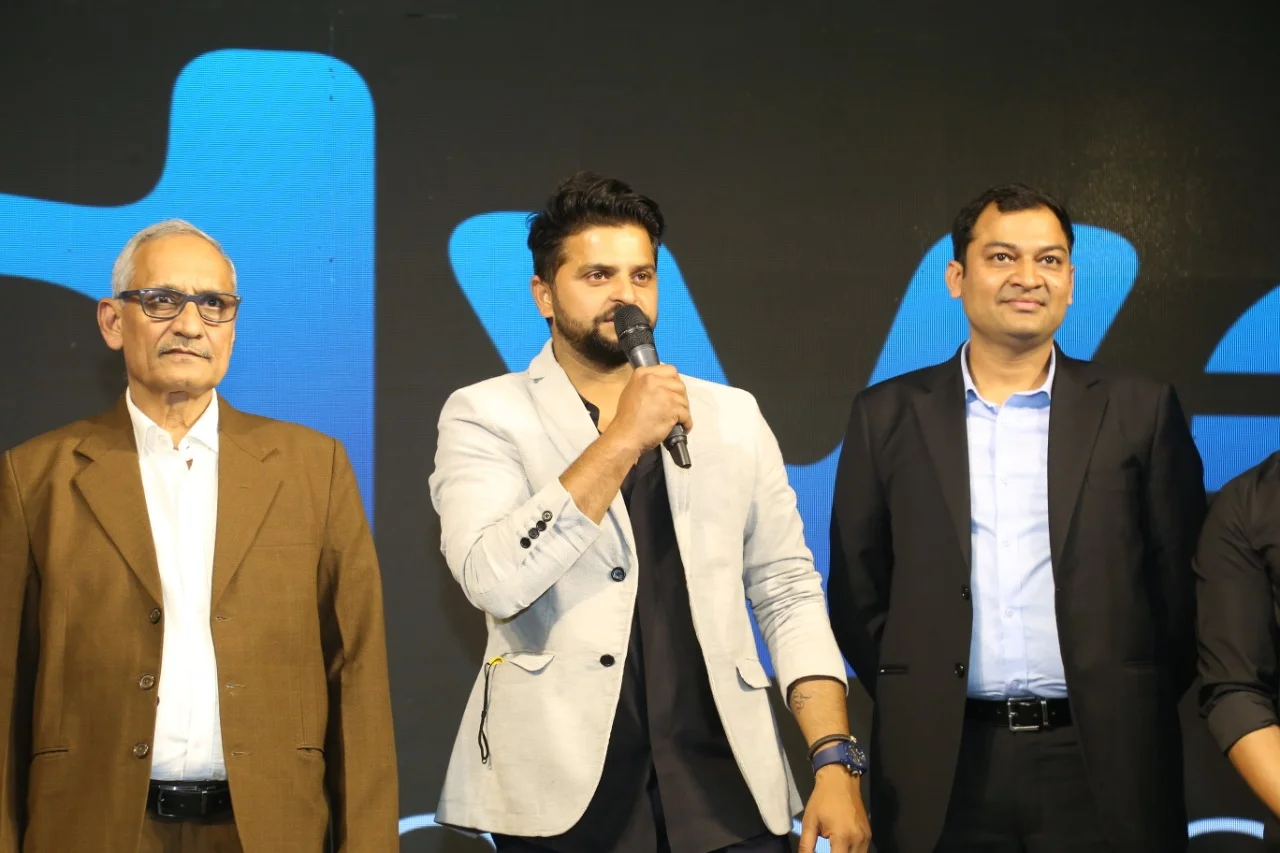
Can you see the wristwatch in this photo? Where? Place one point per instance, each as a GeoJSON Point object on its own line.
{"type": "Point", "coordinates": [847, 752]}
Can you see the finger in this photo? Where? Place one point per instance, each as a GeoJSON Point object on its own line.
{"type": "Point", "coordinates": [808, 837]}
{"type": "Point", "coordinates": [684, 419]}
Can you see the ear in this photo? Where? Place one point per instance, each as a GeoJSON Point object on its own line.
{"type": "Point", "coordinates": [1071, 284]}
{"type": "Point", "coordinates": [111, 322]}
{"type": "Point", "coordinates": [542, 296]}
{"type": "Point", "coordinates": [954, 275]}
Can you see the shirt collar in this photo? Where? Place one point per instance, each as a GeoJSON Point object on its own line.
{"type": "Point", "coordinates": [969, 386]}
{"type": "Point", "coordinates": [148, 434]}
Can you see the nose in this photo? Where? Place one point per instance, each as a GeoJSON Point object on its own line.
{"type": "Point", "coordinates": [1027, 274]}
{"type": "Point", "coordinates": [625, 291]}
{"type": "Point", "coordinates": [188, 323]}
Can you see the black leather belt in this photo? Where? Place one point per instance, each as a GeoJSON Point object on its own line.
{"type": "Point", "coordinates": [180, 800]}
{"type": "Point", "coordinates": [1020, 715]}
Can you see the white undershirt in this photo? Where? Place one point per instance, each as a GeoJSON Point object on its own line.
{"type": "Point", "coordinates": [181, 487]}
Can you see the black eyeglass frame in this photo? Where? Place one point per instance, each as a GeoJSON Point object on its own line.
{"type": "Point", "coordinates": [183, 298]}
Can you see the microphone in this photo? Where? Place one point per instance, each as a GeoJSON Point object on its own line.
{"type": "Point", "coordinates": [636, 336]}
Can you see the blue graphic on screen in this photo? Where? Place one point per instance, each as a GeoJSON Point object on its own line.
{"type": "Point", "coordinates": [492, 266]}
{"type": "Point", "coordinates": [1233, 443]}
{"type": "Point", "coordinates": [272, 154]}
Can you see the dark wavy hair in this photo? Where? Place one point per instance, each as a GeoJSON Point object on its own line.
{"type": "Point", "coordinates": [1009, 198]}
{"type": "Point", "coordinates": [584, 201]}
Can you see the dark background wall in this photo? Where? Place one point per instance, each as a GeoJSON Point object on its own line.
{"type": "Point", "coordinates": [807, 156]}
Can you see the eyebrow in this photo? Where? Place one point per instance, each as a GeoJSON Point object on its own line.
{"type": "Point", "coordinates": [177, 289]}
{"type": "Point", "coordinates": [996, 244]}
{"type": "Point", "coordinates": [609, 268]}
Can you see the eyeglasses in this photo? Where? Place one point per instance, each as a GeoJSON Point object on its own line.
{"type": "Point", "coordinates": [163, 303]}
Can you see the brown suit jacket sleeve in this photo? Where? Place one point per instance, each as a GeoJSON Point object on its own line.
{"type": "Point", "coordinates": [18, 585]}
{"type": "Point", "coordinates": [360, 743]}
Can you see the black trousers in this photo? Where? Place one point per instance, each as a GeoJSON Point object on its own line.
{"type": "Point", "coordinates": [1020, 792]}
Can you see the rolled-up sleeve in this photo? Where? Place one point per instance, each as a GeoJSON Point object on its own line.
{"type": "Point", "coordinates": [1236, 613]}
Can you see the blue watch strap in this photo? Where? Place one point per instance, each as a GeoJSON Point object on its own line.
{"type": "Point", "coordinates": [848, 753]}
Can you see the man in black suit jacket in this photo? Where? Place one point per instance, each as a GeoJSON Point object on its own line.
{"type": "Point", "coordinates": [1011, 579]}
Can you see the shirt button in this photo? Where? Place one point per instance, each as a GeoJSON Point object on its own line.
{"type": "Point", "coordinates": [618, 574]}
{"type": "Point", "coordinates": [960, 670]}
{"type": "Point", "coordinates": [546, 516]}
{"type": "Point", "coordinates": [524, 542]}
{"type": "Point", "coordinates": [147, 681]}
{"type": "Point", "coordinates": [141, 750]}
{"type": "Point", "coordinates": [1004, 542]}
{"type": "Point", "coordinates": [541, 525]}
{"type": "Point", "coordinates": [534, 533]}
{"type": "Point", "coordinates": [1008, 612]}
{"type": "Point", "coordinates": [154, 616]}
{"type": "Point", "coordinates": [965, 592]}
{"type": "Point", "coordinates": [606, 660]}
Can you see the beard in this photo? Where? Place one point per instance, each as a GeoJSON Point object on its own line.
{"type": "Point", "coordinates": [587, 339]}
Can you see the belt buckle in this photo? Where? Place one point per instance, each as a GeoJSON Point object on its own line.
{"type": "Point", "coordinates": [160, 812]}
{"type": "Point", "coordinates": [1035, 727]}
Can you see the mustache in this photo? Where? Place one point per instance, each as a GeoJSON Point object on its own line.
{"type": "Point", "coordinates": [1025, 296]}
{"type": "Point", "coordinates": [607, 317]}
{"type": "Point", "coordinates": [184, 345]}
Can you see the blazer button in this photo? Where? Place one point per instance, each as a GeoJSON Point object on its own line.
{"type": "Point", "coordinates": [141, 750]}
{"type": "Point", "coordinates": [147, 681]}
{"type": "Point", "coordinates": [534, 533]}
{"type": "Point", "coordinates": [606, 660]}
{"type": "Point", "coordinates": [546, 516]}
{"type": "Point", "coordinates": [960, 670]}
{"type": "Point", "coordinates": [524, 542]}
{"type": "Point", "coordinates": [966, 593]}
{"type": "Point", "coordinates": [541, 525]}
{"type": "Point", "coordinates": [154, 616]}
{"type": "Point", "coordinates": [619, 574]}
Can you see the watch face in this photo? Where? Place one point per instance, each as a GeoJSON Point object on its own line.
{"type": "Point", "coordinates": [857, 756]}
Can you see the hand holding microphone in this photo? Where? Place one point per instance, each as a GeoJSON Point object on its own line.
{"type": "Point", "coordinates": [654, 406]}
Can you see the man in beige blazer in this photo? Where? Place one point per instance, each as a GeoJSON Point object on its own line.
{"type": "Point", "coordinates": [192, 652]}
{"type": "Point", "coordinates": [621, 706]}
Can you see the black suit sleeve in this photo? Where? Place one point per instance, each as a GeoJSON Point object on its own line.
{"type": "Point", "coordinates": [1237, 624]}
{"type": "Point", "coordinates": [861, 552]}
{"type": "Point", "coordinates": [1174, 510]}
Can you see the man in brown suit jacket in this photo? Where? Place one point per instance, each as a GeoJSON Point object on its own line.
{"type": "Point", "coordinates": [192, 651]}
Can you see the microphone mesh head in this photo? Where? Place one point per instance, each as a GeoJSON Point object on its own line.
{"type": "Point", "coordinates": [632, 326]}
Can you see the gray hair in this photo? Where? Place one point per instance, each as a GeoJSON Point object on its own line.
{"type": "Point", "coordinates": [122, 272]}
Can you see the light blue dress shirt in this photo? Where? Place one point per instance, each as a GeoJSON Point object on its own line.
{"type": "Point", "coordinates": [1015, 649]}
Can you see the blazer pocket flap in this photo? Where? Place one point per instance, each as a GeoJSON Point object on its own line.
{"type": "Point", "coordinates": [529, 661]}
{"type": "Point", "coordinates": [752, 673]}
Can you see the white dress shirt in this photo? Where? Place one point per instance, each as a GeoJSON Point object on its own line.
{"type": "Point", "coordinates": [181, 488]}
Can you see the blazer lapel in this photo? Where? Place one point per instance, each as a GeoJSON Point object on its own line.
{"type": "Point", "coordinates": [678, 482]}
{"type": "Point", "coordinates": [111, 485]}
{"type": "Point", "coordinates": [568, 424]}
{"type": "Point", "coordinates": [246, 489]}
{"type": "Point", "coordinates": [941, 410]}
{"type": "Point", "coordinates": [1079, 401]}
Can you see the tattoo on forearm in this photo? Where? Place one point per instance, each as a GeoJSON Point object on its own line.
{"type": "Point", "coordinates": [798, 701]}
